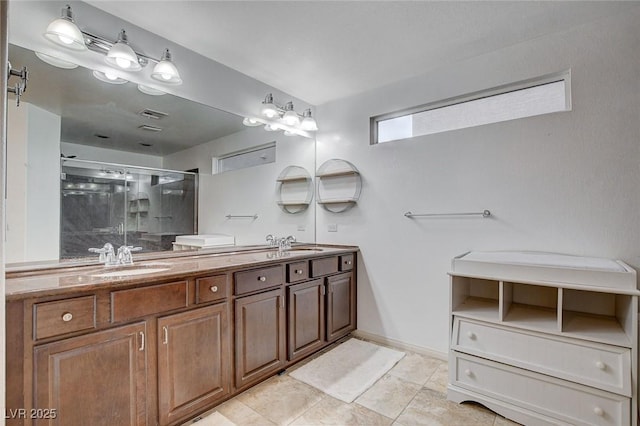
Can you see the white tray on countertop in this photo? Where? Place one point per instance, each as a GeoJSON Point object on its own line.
{"type": "Point", "coordinates": [206, 240]}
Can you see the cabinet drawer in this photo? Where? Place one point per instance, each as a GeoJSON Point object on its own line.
{"type": "Point", "coordinates": [257, 279]}
{"type": "Point", "coordinates": [298, 271]}
{"type": "Point", "coordinates": [601, 366]}
{"type": "Point", "coordinates": [63, 316]}
{"type": "Point", "coordinates": [556, 398]}
{"type": "Point", "coordinates": [213, 288]}
{"type": "Point", "coordinates": [140, 302]}
{"type": "Point", "coordinates": [324, 266]}
{"type": "Point", "coordinates": [346, 262]}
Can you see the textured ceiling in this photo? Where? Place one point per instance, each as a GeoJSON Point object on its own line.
{"type": "Point", "coordinates": [320, 51]}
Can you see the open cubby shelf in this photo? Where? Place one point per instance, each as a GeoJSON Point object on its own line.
{"type": "Point", "coordinates": [595, 316]}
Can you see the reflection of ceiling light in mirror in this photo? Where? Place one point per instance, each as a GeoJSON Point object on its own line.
{"type": "Point", "coordinates": [290, 117]}
{"type": "Point", "coordinates": [109, 77]}
{"type": "Point", "coordinates": [52, 60]}
{"type": "Point", "coordinates": [271, 127]}
{"type": "Point", "coordinates": [150, 90]}
{"type": "Point", "coordinates": [165, 71]}
{"type": "Point", "coordinates": [251, 122]}
{"type": "Point", "coordinates": [64, 32]}
{"type": "Point", "coordinates": [308, 122]}
{"type": "Point", "coordinates": [121, 55]}
{"type": "Point", "coordinates": [289, 133]}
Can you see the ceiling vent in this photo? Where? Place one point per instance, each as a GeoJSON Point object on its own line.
{"type": "Point", "coordinates": [156, 115]}
{"type": "Point", "coordinates": [150, 128]}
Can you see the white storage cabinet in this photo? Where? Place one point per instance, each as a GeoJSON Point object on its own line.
{"type": "Point", "coordinates": [545, 338]}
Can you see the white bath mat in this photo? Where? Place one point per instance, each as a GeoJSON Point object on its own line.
{"type": "Point", "coordinates": [348, 370]}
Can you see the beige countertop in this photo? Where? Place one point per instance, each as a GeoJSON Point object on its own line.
{"type": "Point", "coordinates": [59, 281]}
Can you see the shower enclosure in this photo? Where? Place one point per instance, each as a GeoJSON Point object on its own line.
{"type": "Point", "coordinates": [123, 205]}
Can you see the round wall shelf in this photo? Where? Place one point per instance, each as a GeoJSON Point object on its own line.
{"type": "Point", "coordinates": [295, 189]}
{"type": "Point", "coordinates": [338, 185]}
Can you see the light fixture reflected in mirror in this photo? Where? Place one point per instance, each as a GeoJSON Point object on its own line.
{"type": "Point", "coordinates": [287, 118]}
{"type": "Point", "coordinates": [121, 55]}
{"type": "Point", "coordinates": [150, 90]}
{"type": "Point", "coordinates": [56, 62]}
{"type": "Point", "coordinates": [251, 122]}
{"type": "Point", "coordinates": [64, 32]}
{"type": "Point", "coordinates": [165, 71]}
{"type": "Point", "coordinates": [109, 77]}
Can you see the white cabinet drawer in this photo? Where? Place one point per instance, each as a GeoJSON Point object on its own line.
{"type": "Point", "coordinates": [601, 366]}
{"type": "Point", "coordinates": [556, 398]}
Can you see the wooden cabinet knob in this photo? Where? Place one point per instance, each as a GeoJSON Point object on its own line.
{"type": "Point", "coordinates": [299, 271]}
{"type": "Point", "coordinates": [348, 262]}
{"type": "Point", "coordinates": [67, 316]}
{"type": "Point", "coordinates": [598, 411]}
{"type": "Point", "coordinates": [263, 279]}
{"type": "Point", "coordinates": [601, 365]}
{"type": "Point", "coordinates": [213, 288]}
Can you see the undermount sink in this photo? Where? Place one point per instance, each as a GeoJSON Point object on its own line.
{"type": "Point", "coordinates": [133, 270]}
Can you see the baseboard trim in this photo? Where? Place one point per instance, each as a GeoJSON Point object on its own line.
{"type": "Point", "coordinates": [400, 345]}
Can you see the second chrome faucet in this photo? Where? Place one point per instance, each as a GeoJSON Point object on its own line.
{"type": "Point", "coordinates": [109, 258]}
{"type": "Point", "coordinates": [282, 243]}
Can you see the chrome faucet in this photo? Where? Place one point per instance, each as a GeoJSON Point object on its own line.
{"type": "Point", "coordinates": [107, 255]}
{"type": "Point", "coordinates": [109, 258]}
{"type": "Point", "coordinates": [283, 243]}
{"type": "Point", "coordinates": [124, 254]}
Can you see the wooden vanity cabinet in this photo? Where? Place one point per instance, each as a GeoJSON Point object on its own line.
{"type": "Point", "coordinates": [322, 310]}
{"type": "Point", "coordinates": [194, 357]}
{"type": "Point", "coordinates": [260, 336]}
{"type": "Point", "coordinates": [95, 379]}
{"type": "Point", "coordinates": [305, 318]}
{"type": "Point", "coordinates": [162, 352]}
{"type": "Point", "coordinates": [341, 306]}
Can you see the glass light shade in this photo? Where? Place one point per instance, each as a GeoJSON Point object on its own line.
{"type": "Point", "coordinates": [121, 55]}
{"type": "Point", "coordinates": [269, 110]}
{"type": "Point", "coordinates": [108, 77]}
{"type": "Point", "coordinates": [251, 122]}
{"type": "Point", "coordinates": [65, 33]}
{"type": "Point", "coordinates": [165, 71]}
{"type": "Point", "coordinates": [150, 90]}
{"type": "Point", "coordinates": [52, 60]}
{"type": "Point", "coordinates": [309, 124]}
{"type": "Point", "coordinates": [291, 118]}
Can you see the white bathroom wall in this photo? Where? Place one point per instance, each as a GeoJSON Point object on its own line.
{"type": "Point", "coordinates": [94, 153]}
{"type": "Point", "coordinates": [248, 191]}
{"type": "Point", "coordinates": [33, 175]}
{"type": "Point", "coordinates": [565, 182]}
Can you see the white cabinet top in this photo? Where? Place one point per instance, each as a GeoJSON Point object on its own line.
{"type": "Point", "coordinates": [553, 268]}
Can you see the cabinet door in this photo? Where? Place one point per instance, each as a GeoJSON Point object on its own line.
{"type": "Point", "coordinates": [97, 379]}
{"type": "Point", "coordinates": [260, 336]}
{"type": "Point", "coordinates": [305, 318]}
{"type": "Point", "coordinates": [193, 361]}
{"type": "Point", "coordinates": [341, 306]}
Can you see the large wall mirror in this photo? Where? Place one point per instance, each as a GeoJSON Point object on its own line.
{"type": "Point", "coordinates": [91, 162]}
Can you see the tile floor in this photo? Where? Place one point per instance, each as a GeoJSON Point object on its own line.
{"type": "Point", "coordinates": [411, 393]}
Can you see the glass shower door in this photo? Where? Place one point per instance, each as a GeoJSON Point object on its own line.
{"type": "Point", "coordinates": [93, 197]}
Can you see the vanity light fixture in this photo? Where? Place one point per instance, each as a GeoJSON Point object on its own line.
{"type": "Point", "coordinates": [64, 32]}
{"type": "Point", "coordinates": [109, 77]}
{"type": "Point", "coordinates": [165, 71]}
{"type": "Point", "coordinates": [121, 55]}
{"type": "Point", "coordinates": [290, 120]}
